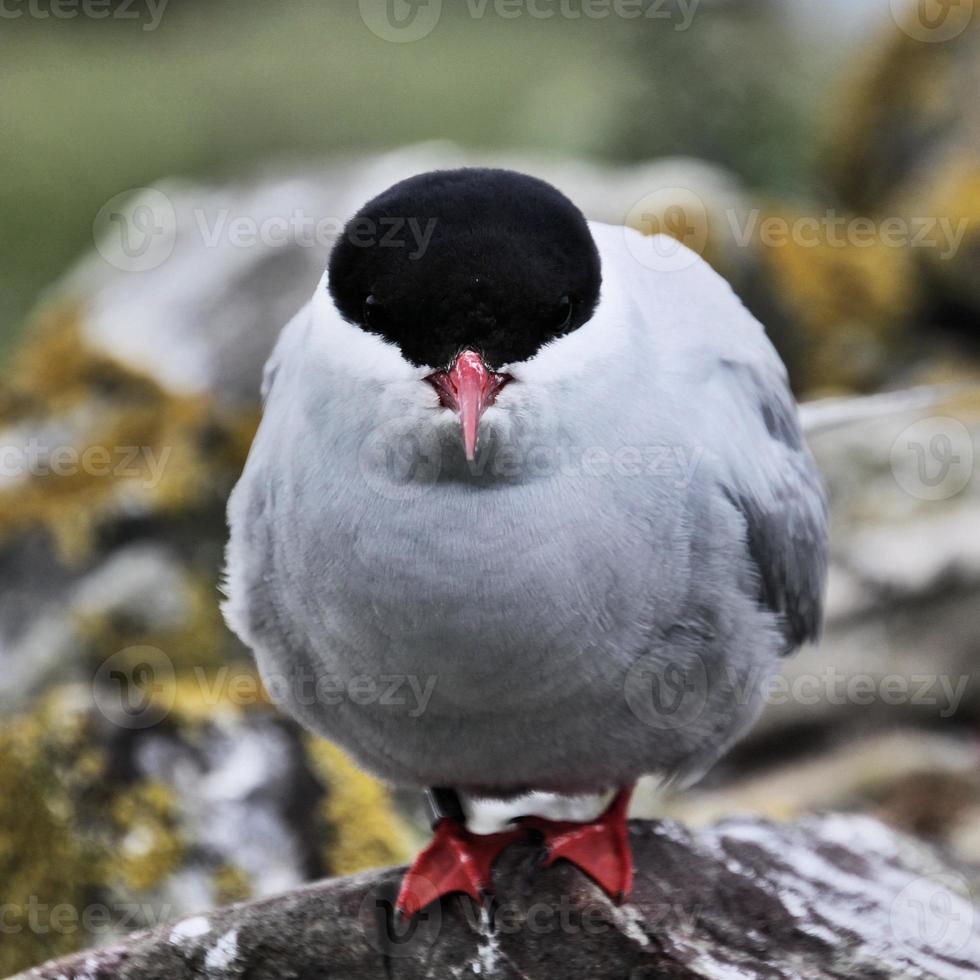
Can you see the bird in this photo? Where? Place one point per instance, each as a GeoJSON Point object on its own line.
{"type": "Point", "coordinates": [513, 462]}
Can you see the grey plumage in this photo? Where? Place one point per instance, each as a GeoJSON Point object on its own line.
{"type": "Point", "coordinates": [600, 596]}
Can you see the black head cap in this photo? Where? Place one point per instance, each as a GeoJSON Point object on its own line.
{"type": "Point", "coordinates": [486, 259]}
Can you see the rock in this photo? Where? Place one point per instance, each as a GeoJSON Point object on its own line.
{"type": "Point", "coordinates": [899, 110]}
{"type": "Point", "coordinates": [904, 595]}
{"type": "Point", "coordinates": [197, 796]}
{"type": "Point", "coordinates": [922, 783]}
{"type": "Point", "coordinates": [826, 897]}
{"type": "Point", "coordinates": [839, 310]}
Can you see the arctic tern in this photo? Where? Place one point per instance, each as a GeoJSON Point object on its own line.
{"type": "Point", "coordinates": [555, 483]}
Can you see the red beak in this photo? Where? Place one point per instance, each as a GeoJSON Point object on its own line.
{"type": "Point", "coordinates": [469, 388]}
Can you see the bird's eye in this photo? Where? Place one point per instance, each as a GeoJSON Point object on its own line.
{"type": "Point", "coordinates": [561, 316]}
{"type": "Point", "coordinates": [372, 309]}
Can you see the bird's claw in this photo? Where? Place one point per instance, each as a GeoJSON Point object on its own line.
{"type": "Point", "coordinates": [456, 860]}
{"type": "Point", "coordinates": [600, 848]}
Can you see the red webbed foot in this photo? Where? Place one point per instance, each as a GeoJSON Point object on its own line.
{"type": "Point", "coordinates": [456, 860]}
{"type": "Point", "coordinates": [600, 848]}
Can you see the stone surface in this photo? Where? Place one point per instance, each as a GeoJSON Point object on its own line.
{"type": "Point", "coordinates": [186, 803]}
{"type": "Point", "coordinates": [827, 897]}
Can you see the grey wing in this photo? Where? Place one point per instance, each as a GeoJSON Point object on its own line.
{"type": "Point", "coordinates": [777, 489]}
{"type": "Point", "coordinates": [733, 399]}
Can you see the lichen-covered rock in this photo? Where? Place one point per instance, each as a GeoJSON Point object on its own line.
{"type": "Point", "coordinates": [906, 147]}
{"type": "Point", "coordinates": [829, 897]}
{"type": "Point", "coordinates": [839, 309]}
{"type": "Point", "coordinates": [219, 799]}
{"type": "Point", "coordinates": [905, 105]}
{"type": "Point", "coordinates": [904, 593]}
{"type": "Point", "coordinates": [144, 772]}
{"type": "Point", "coordinates": [950, 252]}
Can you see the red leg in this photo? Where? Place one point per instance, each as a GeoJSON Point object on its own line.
{"type": "Point", "coordinates": [601, 848]}
{"type": "Point", "coordinates": [455, 861]}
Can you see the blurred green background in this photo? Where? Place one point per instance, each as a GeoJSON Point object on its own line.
{"type": "Point", "coordinates": [92, 108]}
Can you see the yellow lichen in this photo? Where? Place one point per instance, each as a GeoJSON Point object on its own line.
{"type": "Point", "coordinates": [362, 828]}
{"type": "Point", "coordinates": [686, 219]}
{"type": "Point", "coordinates": [849, 301]}
{"type": "Point", "coordinates": [952, 242]}
{"type": "Point", "coordinates": [55, 369]}
{"type": "Point", "coordinates": [900, 94]}
{"type": "Point", "coordinates": [150, 844]}
{"type": "Point", "coordinates": [199, 695]}
{"type": "Point", "coordinates": [72, 831]}
{"type": "Point", "coordinates": [197, 641]}
{"type": "Point", "coordinates": [231, 884]}
{"type": "Point", "coordinates": [133, 448]}
{"type": "Point", "coordinates": [47, 869]}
